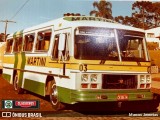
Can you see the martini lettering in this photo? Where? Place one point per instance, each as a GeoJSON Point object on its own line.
{"type": "Point", "coordinates": [38, 61]}
{"type": "Point", "coordinates": [91, 18]}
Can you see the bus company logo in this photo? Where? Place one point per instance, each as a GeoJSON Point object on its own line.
{"type": "Point", "coordinates": [8, 104]}
{"type": "Point", "coordinates": [25, 104]}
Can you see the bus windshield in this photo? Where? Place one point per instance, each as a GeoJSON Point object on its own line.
{"type": "Point", "coordinates": [93, 43]}
{"type": "Point", "coordinates": [131, 46]}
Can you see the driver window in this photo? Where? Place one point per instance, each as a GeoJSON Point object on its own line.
{"type": "Point", "coordinates": [55, 51]}
{"type": "Point", "coordinates": [55, 47]}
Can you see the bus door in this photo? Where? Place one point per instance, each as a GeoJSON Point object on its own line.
{"type": "Point", "coordinates": [62, 44]}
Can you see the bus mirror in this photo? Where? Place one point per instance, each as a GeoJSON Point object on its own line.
{"type": "Point", "coordinates": [61, 42]}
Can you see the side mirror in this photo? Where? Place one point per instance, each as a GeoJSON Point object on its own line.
{"type": "Point", "coordinates": [61, 44]}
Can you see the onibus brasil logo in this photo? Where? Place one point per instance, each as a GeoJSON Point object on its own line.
{"type": "Point", "coordinates": [8, 104]}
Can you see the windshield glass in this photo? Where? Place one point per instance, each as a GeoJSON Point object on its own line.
{"type": "Point", "coordinates": [131, 46]}
{"type": "Point", "coordinates": [93, 43]}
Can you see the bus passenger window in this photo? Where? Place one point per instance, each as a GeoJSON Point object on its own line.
{"type": "Point", "coordinates": [43, 40]}
{"type": "Point", "coordinates": [17, 44]}
{"type": "Point", "coordinates": [28, 42]}
{"type": "Point", "coordinates": [9, 46]}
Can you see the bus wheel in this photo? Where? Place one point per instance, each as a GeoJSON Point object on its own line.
{"type": "Point", "coordinates": [57, 105]}
{"type": "Point", "coordinates": [16, 87]}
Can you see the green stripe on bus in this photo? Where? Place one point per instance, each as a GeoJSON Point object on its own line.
{"type": "Point", "coordinates": [7, 77]}
{"type": "Point", "coordinates": [16, 60]}
{"type": "Point", "coordinates": [64, 95]}
{"type": "Point", "coordinates": [34, 86]}
{"type": "Point", "coordinates": [23, 60]}
{"type": "Point", "coordinates": [18, 34]}
{"type": "Point", "coordinates": [22, 67]}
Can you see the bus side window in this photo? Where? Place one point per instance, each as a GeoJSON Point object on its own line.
{"type": "Point", "coordinates": [55, 47]}
{"type": "Point", "coordinates": [9, 46]}
{"type": "Point", "coordinates": [28, 42]}
{"type": "Point", "coordinates": [43, 40]}
{"type": "Point", "coordinates": [17, 44]}
{"type": "Point", "coordinates": [65, 52]}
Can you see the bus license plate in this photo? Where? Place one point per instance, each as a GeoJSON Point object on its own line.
{"type": "Point", "coordinates": [122, 97]}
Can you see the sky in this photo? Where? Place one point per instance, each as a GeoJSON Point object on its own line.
{"type": "Point", "coordinates": [35, 12]}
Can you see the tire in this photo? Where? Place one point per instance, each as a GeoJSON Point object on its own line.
{"type": "Point", "coordinates": [15, 84]}
{"type": "Point", "coordinates": [56, 104]}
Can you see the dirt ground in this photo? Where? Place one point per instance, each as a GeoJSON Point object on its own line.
{"type": "Point", "coordinates": [7, 92]}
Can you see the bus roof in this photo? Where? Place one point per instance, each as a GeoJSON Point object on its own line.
{"type": "Point", "coordinates": [70, 21]}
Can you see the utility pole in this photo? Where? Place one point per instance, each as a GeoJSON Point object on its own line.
{"type": "Point", "coordinates": [6, 24]}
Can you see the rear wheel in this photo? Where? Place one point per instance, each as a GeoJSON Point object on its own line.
{"type": "Point", "coordinates": [16, 87]}
{"type": "Point", "coordinates": [57, 105]}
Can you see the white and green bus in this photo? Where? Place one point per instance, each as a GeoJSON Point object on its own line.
{"type": "Point", "coordinates": [78, 59]}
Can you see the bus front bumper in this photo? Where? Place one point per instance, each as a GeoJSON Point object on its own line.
{"type": "Point", "coordinates": [76, 96]}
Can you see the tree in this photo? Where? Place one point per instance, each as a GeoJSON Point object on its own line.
{"type": "Point", "coordinates": [141, 11]}
{"type": "Point", "coordinates": [145, 15]}
{"type": "Point", "coordinates": [131, 21]}
{"type": "Point", "coordinates": [156, 14]}
{"type": "Point", "coordinates": [102, 9]}
{"type": "Point", "coordinates": [1, 37]}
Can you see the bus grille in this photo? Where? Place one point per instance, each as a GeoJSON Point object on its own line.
{"type": "Point", "coordinates": [119, 81]}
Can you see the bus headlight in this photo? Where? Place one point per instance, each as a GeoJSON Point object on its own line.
{"type": "Point", "coordinates": [148, 78]}
{"type": "Point", "coordinates": [142, 78]}
{"type": "Point", "coordinates": [93, 77]}
{"type": "Point", "coordinates": [84, 77]}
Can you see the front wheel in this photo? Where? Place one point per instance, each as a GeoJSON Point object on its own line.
{"type": "Point", "coordinates": [57, 105]}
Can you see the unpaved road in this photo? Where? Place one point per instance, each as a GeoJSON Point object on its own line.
{"type": "Point", "coordinates": [7, 93]}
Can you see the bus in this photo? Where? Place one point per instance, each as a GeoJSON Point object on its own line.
{"type": "Point", "coordinates": [80, 59]}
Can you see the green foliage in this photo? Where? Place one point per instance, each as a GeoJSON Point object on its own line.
{"type": "Point", "coordinates": [102, 9]}
{"type": "Point", "coordinates": [145, 15]}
